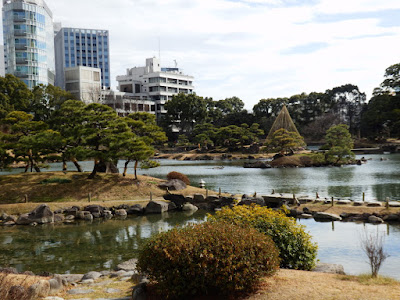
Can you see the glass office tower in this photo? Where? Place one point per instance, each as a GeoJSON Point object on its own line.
{"type": "Point", "coordinates": [29, 41]}
{"type": "Point", "coordinates": [82, 47]}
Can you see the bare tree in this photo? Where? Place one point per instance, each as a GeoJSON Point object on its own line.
{"type": "Point", "coordinates": [372, 245]}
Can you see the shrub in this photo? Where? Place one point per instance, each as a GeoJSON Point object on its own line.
{"type": "Point", "coordinates": [55, 180]}
{"type": "Point", "coordinates": [297, 251]}
{"type": "Point", "coordinates": [208, 258]}
{"type": "Point", "coordinates": [180, 176]}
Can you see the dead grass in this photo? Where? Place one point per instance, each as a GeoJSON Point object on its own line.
{"type": "Point", "coordinates": [9, 280]}
{"type": "Point", "coordinates": [109, 189]}
{"type": "Point", "coordinates": [299, 285]}
{"type": "Point", "coordinates": [338, 209]}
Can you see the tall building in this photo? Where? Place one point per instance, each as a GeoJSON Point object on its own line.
{"type": "Point", "coordinates": [155, 83]}
{"type": "Point", "coordinates": [82, 47]}
{"type": "Point", "coordinates": [84, 83]}
{"type": "Point", "coordinates": [29, 41]}
{"type": "Point", "coordinates": [2, 70]}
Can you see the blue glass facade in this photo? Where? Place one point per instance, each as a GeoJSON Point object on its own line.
{"type": "Point", "coordinates": [29, 41]}
{"type": "Point", "coordinates": [82, 47]}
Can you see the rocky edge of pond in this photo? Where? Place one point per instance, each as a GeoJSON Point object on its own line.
{"type": "Point", "coordinates": [42, 214]}
{"type": "Point", "coordinates": [82, 284]}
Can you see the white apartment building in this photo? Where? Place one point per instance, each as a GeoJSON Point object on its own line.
{"type": "Point", "coordinates": [84, 83]}
{"type": "Point", "coordinates": [127, 103]}
{"type": "Point", "coordinates": [155, 83]}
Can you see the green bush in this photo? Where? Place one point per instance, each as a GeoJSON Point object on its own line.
{"type": "Point", "coordinates": [180, 176]}
{"type": "Point", "coordinates": [207, 258]}
{"type": "Point", "coordinates": [56, 180]}
{"type": "Point", "coordinates": [297, 251]}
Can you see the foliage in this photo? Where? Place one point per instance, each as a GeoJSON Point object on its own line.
{"type": "Point", "coordinates": [14, 95]}
{"type": "Point", "coordinates": [55, 180]}
{"type": "Point", "coordinates": [339, 144]}
{"type": "Point", "coordinates": [297, 251]}
{"type": "Point", "coordinates": [149, 164]}
{"type": "Point", "coordinates": [177, 175]}
{"type": "Point", "coordinates": [284, 141]}
{"type": "Point", "coordinates": [208, 258]}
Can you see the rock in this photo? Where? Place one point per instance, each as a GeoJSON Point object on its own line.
{"type": "Point", "coordinates": [9, 270]}
{"type": "Point", "coordinates": [39, 289]}
{"type": "Point", "coordinates": [156, 207]}
{"type": "Point", "coordinates": [321, 216]}
{"type": "Point", "coordinates": [189, 207]}
{"type": "Point", "coordinates": [329, 268]}
{"type": "Point", "coordinates": [72, 278]}
{"type": "Point", "coordinates": [72, 210]}
{"type": "Point", "coordinates": [343, 202]}
{"type": "Point", "coordinates": [120, 213]}
{"type": "Point", "coordinates": [11, 218]}
{"type": "Point", "coordinates": [91, 275]}
{"type": "Point", "coordinates": [42, 214]}
{"type": "Point", "coordinates": [178, 199]}
{"type": "Point", "coordinates": [391, 218]}
{"type": "Point", "coordinates": [139, 291]}
{"type": "Point", "coordinates": [94, 209]}
{"type": "Point", "coordinates": [375, 220]}
{"type": "Point", "coordinates": [112, 291]}
{"type": "Point", "coordinates": [87, 281]}
{"type": "Point", "coordinates": [56, 284]}
{"type": "Point", "coordinates": [358, 203]}
{"type": "Point", "coordinates": [137, 278]}
{"type": "Point", "coordinates": [394, 204]}
{"type": "Point", "coordinates": [107, 214]}
{"type": "Point", "coordinates": [53, 298]}
{"type": "Point", "coordinates": [374, 204]}
{"type": "Point", "coordinates": [198, 198]}
{"type": "Point", "coordinates": [9, 223]}
{"type": "Point", "coordinates": [305, 216]}
{"type": "Point", "coordinates": [81, 214]}
{"type": "Point", "coordinates": [306, 210]}
{"type": "Point", "coordinates": [88, 217]}
{"type": "Point", "coordinates": [249, 201]}
{"type": "Point", "coordinates": [80, 291]}
{"type": "Point", "coordinates": [211, 198]}
{"type": "Point", "coordinates": [172, 206]}
{"type": "Point", "coordinates": [257, 165]}
{"type": "Point", "coordinates": [3, 217]}
{"type": "Point", "coordinates": [136, 209]}
{"type": "Point", "coordinates": [173, 185]}
{"type": "Point", "coordinates": [59, 218]}
{"type": "Point", "coordinates": [129, 265]}
{"type": "Point", "coordinates": [70, 218]}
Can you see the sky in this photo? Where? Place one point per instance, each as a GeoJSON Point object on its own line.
{"type": "Point", "coordinates": [252, 49]}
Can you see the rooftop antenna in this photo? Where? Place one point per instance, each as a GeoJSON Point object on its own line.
{"type": "Point", "coordinates": [176, 63]}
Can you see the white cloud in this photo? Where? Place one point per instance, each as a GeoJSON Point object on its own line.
{"type": "Point", "coordinates": [241, 47]}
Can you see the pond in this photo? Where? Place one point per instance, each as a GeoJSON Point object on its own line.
{"type": "Point", "coordinates": [80, 247]}
{"type": "Point", "coordinates": [101, 245]}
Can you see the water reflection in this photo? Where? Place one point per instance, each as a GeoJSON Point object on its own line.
{"type": "Point", "coordinates": [80, 246]}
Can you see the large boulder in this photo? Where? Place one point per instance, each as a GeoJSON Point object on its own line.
{"type": "Point", "coordinates": [120, 213]}
{"type": "Point", "coordinates": [375, 220]}
{"type": "Point", "coordinates": [94, 209]}
{"type": "Point", "coordinates": [321, 216]}
{"type": "Point", "coordinates": [173, 185]}
{"type": "Point", "coordinates": [198, 198]}
{"type": "Point", "coordinates": [129, 265]}
{"type": "Point", "coordinates": [39, 289]}
{"type": "Point", "coordinates": [249, 201]}
{"type": "Point", "coordinates": [41, 215]}
{"type": "Point", "coordinates": [189, 207]}
{"type": "Point", "coordinates": [178, 199]}
{"type": "Point", "coordinates": [156, 207]}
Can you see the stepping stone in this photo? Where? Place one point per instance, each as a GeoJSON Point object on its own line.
{"type": "Point", "coordinates": [80, 291]}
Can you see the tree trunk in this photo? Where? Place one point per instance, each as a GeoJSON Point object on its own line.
{"type": "Point", "coordinates": [126, 167]}
{"type": "Point", "coordinates": [93, 174]}
{"type": "Point", "coordinates": [26, 167]}
{"type": "Point", "coordinates": [77, 165]}
{"type": "Point", "coordinates": [64, 165]}
{"type": "Point", "coordinates": [136, 164]}
{"type": "Point", "coordinates": [33, 163]}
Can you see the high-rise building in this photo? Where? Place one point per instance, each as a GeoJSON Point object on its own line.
{"type": "Point", "coordinates": [2, 70]}
{"type": "Point", "coordinates": [29, 41]}
{"type": "Point", "coordinates": [82, 47]}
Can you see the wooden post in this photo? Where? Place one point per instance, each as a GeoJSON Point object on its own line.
{"type": "Point", "coordinates": [332, 201]}
{"type": "Point", "coordinates": [316, 195]}
{"type": "Point", "coordinates": [273, 192]}
{"type": "Point", "coordinates": [206, 193]}
{"type": "Point", "coordinates": [26, 198]}
{"type": "Point", "coordinates": [219, 193]}
{"type": "Point", "coordinates": [387, 202]}
{"type": "Point", "coordinates": [90, 197]}
{"type": "Point", "coordinates": [333, 226]}
{"type": "Point", "coordinates": [151, 196]}
{"type": "Point", "coordinates": [363, 197]}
